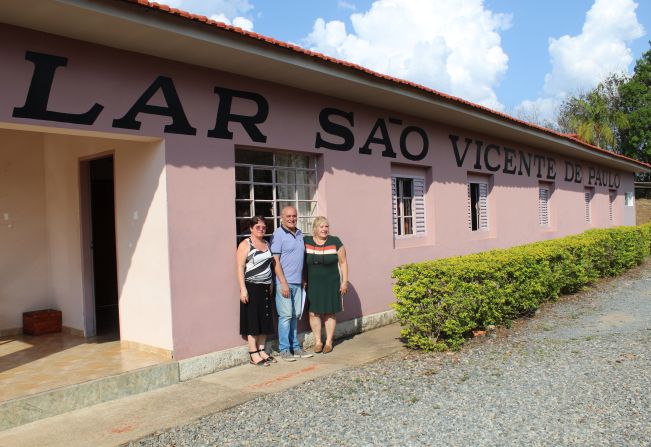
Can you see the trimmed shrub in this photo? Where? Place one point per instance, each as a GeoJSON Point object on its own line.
{"type": "Point", "coordinates": [439, 302]}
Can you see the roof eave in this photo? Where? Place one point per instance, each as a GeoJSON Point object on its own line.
{"type": "Point", "coordinates": [140, 28]}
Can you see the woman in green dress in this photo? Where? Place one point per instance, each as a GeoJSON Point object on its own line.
{"type": "Point", "coordinates": [327, 280]}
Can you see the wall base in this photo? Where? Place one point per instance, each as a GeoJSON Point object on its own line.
{"type": "Point", "coordinates": [216, 361]}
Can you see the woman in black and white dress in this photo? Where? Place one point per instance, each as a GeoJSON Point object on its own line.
{"type": "Point", "coordinates": [254, 266]}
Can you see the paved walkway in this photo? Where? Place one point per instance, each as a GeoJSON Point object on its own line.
{"type": "Point", "coordinates": [116, 422]}
{"type": "Point", "coordinates": [577, 374]}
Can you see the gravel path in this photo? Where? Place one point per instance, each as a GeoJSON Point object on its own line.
{"type": "Point", "coordinates": [577, 374]}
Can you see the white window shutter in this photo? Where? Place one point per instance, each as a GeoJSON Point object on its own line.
{"type": "Point", "coordinates": [394, 205]}
{"type": "Point", "coordinates": [588, 196]}
{"type": "Point", "coordinates": [612, 197]}
{"type": "Point", "coordinates": [419, 206]}
{"type": "Point", "coordinates": [543, 206]}
{"type": "Point", "coordinates": [469, 208]}
{"type": "Point", "coordinates": [483, 206]}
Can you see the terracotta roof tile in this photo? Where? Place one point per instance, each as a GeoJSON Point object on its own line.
{"type": "Point", "coordinates": [249, 34]}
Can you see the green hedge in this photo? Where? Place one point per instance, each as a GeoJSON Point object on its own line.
{"type": "Point", "coordinates": [439, 302]}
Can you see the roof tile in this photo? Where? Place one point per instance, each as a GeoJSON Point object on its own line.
{"type": "Point", "coordinates": [332, 60]}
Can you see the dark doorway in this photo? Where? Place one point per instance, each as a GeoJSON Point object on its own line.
{"type": "Point", "coordinates": [105, 283]}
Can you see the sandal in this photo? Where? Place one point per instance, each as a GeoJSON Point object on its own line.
{"type": "Point", "coordinates": [262, 362]}
{"type": "Point", "coordinates": [327, 348]}
{"type": "Point", "coordinates": [318, 348]}
{"type": "Point", "coordinates": [268, 358]}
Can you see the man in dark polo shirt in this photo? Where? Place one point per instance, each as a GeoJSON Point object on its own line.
{"type": "Point", "coordinates": [288, 251]}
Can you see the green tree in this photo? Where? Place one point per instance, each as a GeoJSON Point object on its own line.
{"type": "Point", "coordinates": [635, 95]}
{"type": "Point", "coordinates": [597, 116]}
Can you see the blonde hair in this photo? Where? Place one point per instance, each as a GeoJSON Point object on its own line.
{"type": "Point", "coordinates": [318, 220]}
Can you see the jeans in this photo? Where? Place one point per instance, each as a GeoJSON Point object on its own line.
{"type": "Point", "coordinates": [288, 311]}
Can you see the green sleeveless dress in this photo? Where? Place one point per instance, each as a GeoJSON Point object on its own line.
{"type": "Point", "coordinates": [323, 280]}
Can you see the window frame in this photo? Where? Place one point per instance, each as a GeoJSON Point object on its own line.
{"type": "Point", "coordinates": [544, 208]}
{"type": "Point", "coordinates": [478, 212]}
{"type": "Point", "coordinates": [612, 197]}
{"type": "Point", "coordinates": [588, 195]}
{"type": "Point", "coordinates": [417, 212]}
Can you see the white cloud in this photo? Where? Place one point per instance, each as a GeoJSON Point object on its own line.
{"type": "Point", "coordinates": [241, 22]}
{"type": "Point", "coordinates": [345, 5]}
{"type": "Point", "coordinates": [231, 12]}
{"type": "Point", "coordinates": [580, 62]}
{"type": "Point", "coordinates": [451, 45]}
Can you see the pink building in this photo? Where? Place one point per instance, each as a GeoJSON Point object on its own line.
{"type": "Point", "coordinates": [134, 139]}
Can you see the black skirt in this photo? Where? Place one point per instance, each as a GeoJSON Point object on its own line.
{"type": "Point", "coordinates": [256, 317]}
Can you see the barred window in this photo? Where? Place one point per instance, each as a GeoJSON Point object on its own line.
{"type": "Point", "coordinates": [266, 182]}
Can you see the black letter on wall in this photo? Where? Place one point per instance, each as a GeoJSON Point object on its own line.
{"type": "Point", "coordinates": [249, 123]}
{"type": "Point", "coordinates": [490, 167]}
{"type": "Point", "coordinates": [383, 140]}
{"type": "Point", "coordinates": [403, 143]}
{"type": "Point", "coordinates": [335, 129]}
{"type": "Point", "coordinates": [174, 109]}
{"type": "Point", "coordinates": [459, 158]}
{"type": "Point", "coordinates": [39, 93]}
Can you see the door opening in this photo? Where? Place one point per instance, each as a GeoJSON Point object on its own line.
{"type": "Point", "coordinates": [103, 246]}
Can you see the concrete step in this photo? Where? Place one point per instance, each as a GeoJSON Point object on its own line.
{"type": "Point", "coordinates": [53, 402]}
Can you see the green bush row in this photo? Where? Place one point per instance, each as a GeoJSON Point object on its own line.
{"type": "Point", "coordinates": [439, 302]}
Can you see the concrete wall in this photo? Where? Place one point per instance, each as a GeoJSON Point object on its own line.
{"type": "Point", "coordinates": [24, 261]}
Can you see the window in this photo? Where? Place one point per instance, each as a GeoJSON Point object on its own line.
{"type": "Point", "coordinates": [629, 199]}
{"type": "Point", "coordinates": [612, 194]}
{"type": "Point", "coordinates": [478, 206]}
{"type": "Point", "coordinates": [266, 182]}
{"type": "Point", "coordinates": [543, 205]}
{"type": "Point", "coordinates": [588, 192]}
{"type": "Point", "coordinates": [408, 206]}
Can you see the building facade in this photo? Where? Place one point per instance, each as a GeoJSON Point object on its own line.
{"type": "Point", "coordinates": [135, 140]}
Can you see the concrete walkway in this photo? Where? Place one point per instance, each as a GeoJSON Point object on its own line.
{"type": "Point", "coordinates": [123, 420]}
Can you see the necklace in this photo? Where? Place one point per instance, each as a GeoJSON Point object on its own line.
{"type": "Point", "coordinates": [320, 242]}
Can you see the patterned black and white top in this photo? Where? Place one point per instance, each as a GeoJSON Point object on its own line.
{"type": "Point", "coordinates": [258, 265]}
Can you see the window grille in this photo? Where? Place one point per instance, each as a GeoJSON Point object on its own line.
{"type": "Point", "coordinates": [266, 182]}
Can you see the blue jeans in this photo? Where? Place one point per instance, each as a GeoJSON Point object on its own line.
{"type": "Point", "coordinates": [288, 311]}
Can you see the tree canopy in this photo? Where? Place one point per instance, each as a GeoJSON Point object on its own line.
{"type": "Point", "coordinates": [635, 139]}
{"type": "Point", "coordinates": [616, 114]}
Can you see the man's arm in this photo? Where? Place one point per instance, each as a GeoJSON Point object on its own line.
{"type": "Point", "coordinates": [280, 275]}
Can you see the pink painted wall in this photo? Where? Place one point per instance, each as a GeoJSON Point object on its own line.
{"type": "Point", "coordinates": [354, 189]}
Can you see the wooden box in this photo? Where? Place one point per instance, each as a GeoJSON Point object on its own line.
{"type": "Point", "coordinates": [40, 322]}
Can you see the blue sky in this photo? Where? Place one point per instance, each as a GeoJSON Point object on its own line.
{"type": "Point", "coordinates": [518, 56]}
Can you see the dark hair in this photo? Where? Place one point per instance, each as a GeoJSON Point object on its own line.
{"type": "Point", "coordinates": [255, 220]}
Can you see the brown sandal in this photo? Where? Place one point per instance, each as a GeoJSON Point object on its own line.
{"type": "Point", "coordinates": [318, 348]}
{"type": "Point", "coordinates": [327, 348]}
{"type": "Point", "coordinates": [268, 358]}
{"type": "Point", "coordinates": [262, 362]}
